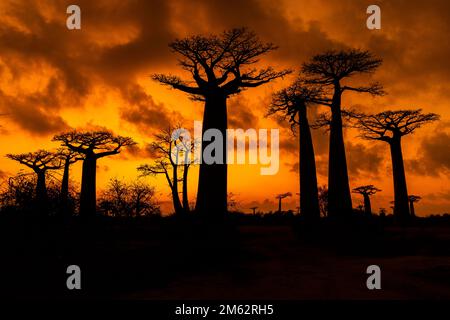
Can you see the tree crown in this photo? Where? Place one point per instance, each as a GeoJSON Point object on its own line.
{"type": "Point", "coordinates": [366, 190]}
{"type": "Point", "coordinates": [38, 161]}
{"type": "Point", "coordinates": [331, 67]}
{"type": "Point", "coordinates": [220, 63]}
{"type": "Point", "coordinates": [388, 124]}
{"type": "Point", "coordinates": [95, 143]}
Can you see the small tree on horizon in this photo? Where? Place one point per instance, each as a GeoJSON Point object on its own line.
{"type": "Point", "coordinates": [367, 191]}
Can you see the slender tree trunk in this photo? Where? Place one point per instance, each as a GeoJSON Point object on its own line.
{"type": "Point", "coordinates": [64, 196]}
{"type": "Point", "coordinates": [88, 198]}
{"type": "Point", "coordinates": [339, 197]}
{"type": "Point", "coordinates": [411, 209]}
{"type": "Point", "coordinates": [279, 205]}
{"type": "Point", "coordinates": [309, 199]}
{"type": "Point", "coordinates": [212, 184]}
{"type": "Point", "coordinates": [175, 196]}
{"type": "Point", "coordinates": [185, 188]}
{"type": "Point", "coordinates": [367, 206]}
{"type": "Point", "coordinates": [401, 209]}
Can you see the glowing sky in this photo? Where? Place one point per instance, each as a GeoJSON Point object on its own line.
{"type": "Point", "coordinates": [53, 79]}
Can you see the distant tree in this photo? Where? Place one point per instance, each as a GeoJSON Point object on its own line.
{"type": "Point", "coordinates": [366, 192]}
{"type": "Point", "coordinates": [390, 127]}
{"type": "Point", "coordinates": [18, 192]}
{"type": "Point", "coordinates": [254, 209]}
{"type": "Point", "coordinates": [122, 199]}
{"type": "Point", "coordinates": [281, 197]}
{"type": "Point", "coordinates": [292, 103]}
{"type": "Point", "coordinates": [412, 199]}
{"type": "Point", "coordinates": [221, 66]}
{"type": "Point", "coordinates": [40, 162]}
{"type": "Point", "coordinates": [323, 200]}
{"type": "Point", "coordinates": [172, 152]}
{"type": "Point", "coordinates": [92, 145]}
{"type": "Point", "coordinates": [382, 212]}
{"type": "Point", "coordinates": [330, 69]}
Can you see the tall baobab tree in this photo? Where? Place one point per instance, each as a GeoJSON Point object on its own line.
{"type": "Point", "coordinates": [292, 103]}
{"type": "Point", "coordinates": [172, 152]}
{"type": "Point", "coordinates": [281, 197]}
{"type": "Point", "coordinates": [68, 157]}
{"type": "Point", "coordinates": [220, 66]}
{"type": "Point", "coordinates": [412, 199]}
{"type": "Point", "coordinates": [390, 127]}
{"type": "Point", "coordinates": [92, 145]}
{"type": "Point", "coordinates": [40, 162]}
{"type": "Point", "coordinates": [367, 191]}
{"type": "Point", "coordinates": [330, 70]}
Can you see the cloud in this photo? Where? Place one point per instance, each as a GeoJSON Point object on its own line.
{"type": "Point", "coordinates": [433, 157]}
{"type": "Point", "coordinates": [144, 112]}
{"type": "Point", "coordinates": [364, 160]}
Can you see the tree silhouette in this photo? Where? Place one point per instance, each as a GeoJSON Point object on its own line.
{"type": "Point", "coordinates": [128, 199]}
{"type": "Point", "coordinates": [330, 69]}
{"type": "Point", "coordinates": [254, 209]}
{"type": "Point", "coordinates": [390, 127]}
{"type": "Point", "coordinates": [92, 145]}
{"type": "Point", "coordinates": [172, 152]}
{"type": "Point", "coordinates": [68, 157]}
{"type": "Point", "coordinates": [281, 197]}
{"type": "Point", "coordinates": [412, 199]}
{"type": "Point", "coordinates": [40, 162]}
{"type": "Point", "coordinates": [366, 192]}
{"type": "Point", "coordinates": [292, 103]}
{"type": "Point", "coordinates": [220, 65]}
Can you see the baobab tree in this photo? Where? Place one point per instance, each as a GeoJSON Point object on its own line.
{"type": "Point", "coordinates": [412, 199]}
{"type": "Point", "coordinates": [92, 145]}
{"type": "Point", "coordinates": [281, 197]}
{"type": "Point", "coordinates": [220, 66]}
{"type": "Point", "coordinates": [40, 162]}
{"type": "Point", "coordinates": [172, 152]}
{"type": "Point", "coordinates": [292, 104]}
{"type": "Point", "coordinates": [254, 210]}
{"type": "Point", "coordinates": [390, 127]}
{"type": "Point", "coordinates": [330, 70]}
{"type": "Point", "coordinates": [68, 157]}
{"type": "Point", "coordinates": [367, 191]}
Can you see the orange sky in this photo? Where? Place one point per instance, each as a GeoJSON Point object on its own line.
{"type": "Point", "coordinates": [52, 79]}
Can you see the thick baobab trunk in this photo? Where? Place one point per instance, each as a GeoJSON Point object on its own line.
{"type": "Point", "coordinates": [339, 198]}
{"type": "Point", "coordinates": [175, 196]}
{"type": "Point", "coordinates": [64, 196]}
{"type": "Point", "coordinates": [212, 184]}
{"type": "Point", "coordinates": [367, 206]}
{"type": "Point", "coordinates": [185, 189]}
{"type": "Point", "coordinates": [309, 199]}
{"type": "Point", "coordinates": [401, 209]}
{"type": "Point", "coordinates": [88, 196]}
{"type": "Point", "coordinates": [412, 212]}
{"type": "Point", "coordinates": [41, 192]}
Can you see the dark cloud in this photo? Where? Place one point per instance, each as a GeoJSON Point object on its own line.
{"type": "Point", "coordinates": [433, 157]}
{"type": "Point", "coordinates": [143, 112]}
{"type": "Point", "coordinates": [364, 160]}
{"type": "Point", "coordinates": [240, 116]}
